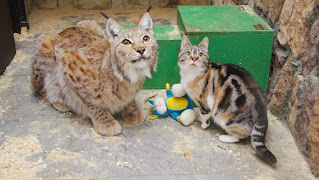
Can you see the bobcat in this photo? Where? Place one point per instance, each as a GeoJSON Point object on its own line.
{"type": "Point", "coordinates": [84, 71]}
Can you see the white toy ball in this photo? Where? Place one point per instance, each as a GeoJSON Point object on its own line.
{"type": "Point", "coordinates": [160, 105]}
{"type": "Point", "coordinates": [187, 117]}
{"type": "Point", "coordinates": [178, 90]}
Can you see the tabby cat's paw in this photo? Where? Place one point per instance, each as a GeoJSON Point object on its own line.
{"type": "Point", "coordinates": [228, 139]}
{"type": "Point", "coordinates": [108, 129]}
{"type": "Point", "coordinates": [60, 107]}
{"type": "Point", "coordinates": [136, 117]}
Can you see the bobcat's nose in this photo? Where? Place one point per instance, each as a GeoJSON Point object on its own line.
{"type": "Point", "coordinates": [141, 50]}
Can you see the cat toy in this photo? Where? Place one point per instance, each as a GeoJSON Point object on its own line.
{"type": "Point", "coordinates": [177, 104]}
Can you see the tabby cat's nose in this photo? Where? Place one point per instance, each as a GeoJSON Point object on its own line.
{"type": "Point", "coordinates": [194, 59]}
{"type": "Point", "coordinates": [141, 50]}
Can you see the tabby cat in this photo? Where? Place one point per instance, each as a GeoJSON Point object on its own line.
{"type": "Point", "coordinates": [227, 93]}
{"type": "Point", "coordinates": [82, 70]}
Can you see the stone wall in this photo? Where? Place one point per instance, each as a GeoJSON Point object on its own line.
{"type": "Point", "coordinates": [124, 4]}
{"type": "Point", "coordinates": [293, 90]}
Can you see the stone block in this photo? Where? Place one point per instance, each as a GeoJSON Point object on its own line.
{"type": "Point", "coordinates": [314, 138]}
{"type": "Point", "coordinates": [194, 2]}
{"type": "Point", "coordinates": [93, 4]}
{"type": "Point", "coordinates": [163, 3]}
{"type": "Point", "coordinates": [281, 90]}
{"type": "Point", "coordinates": [284, 21]}
{"type": "Point", "coordinates": [294, 25]}
{"type": "Point", "coordinates": [314, 33]}
{"type": "Point", "coordinates": [130, 4]}
{"type": "Point", "coordinates": [66, 4]}
{"type": "Point", "coordinates": [46, 4]}
{"type": "Point", "coordinates": [28, 7]}
{"type": "Point", "coordinates": [242, 2]}
{"type": "Point", "coordinates": [305, 117]}
{"type": "Point", "coordinates": [263, 5]}
{"type": "Point", "coordinates": [311, 58]}
{"type": "Point", "coordinates": [223, 2]}
{"type": "Point", "coordinates": [294, 102]}
{"type": "Point", "coordinates": [251, 3]}
{"type": "Point", "coordinates": [275, 7]}
{"type": "Point", "coordinates": [280, 58]}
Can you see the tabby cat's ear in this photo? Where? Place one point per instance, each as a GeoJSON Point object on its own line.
{"type": "Point", "coordinates": [204, 43]}
{"type": "Point", "coordinates": [185, 42]}
{"type": "Point", "coordinates": [113, 29]}
{"type": "Point", "coordinates": [146, 23]}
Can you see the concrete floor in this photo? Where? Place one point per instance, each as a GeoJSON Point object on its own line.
{"type": "Point", "coordinates": [38, 142]}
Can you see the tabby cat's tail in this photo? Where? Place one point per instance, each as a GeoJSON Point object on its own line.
{"type": "Point", "coordinates": [258, 141]}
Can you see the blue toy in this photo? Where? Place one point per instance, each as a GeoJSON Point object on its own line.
{"type": "Point", "coordinates": [178, 104]}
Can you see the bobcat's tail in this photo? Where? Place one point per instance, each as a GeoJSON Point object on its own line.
{"type": "Point", "coordinates": [258, 141]}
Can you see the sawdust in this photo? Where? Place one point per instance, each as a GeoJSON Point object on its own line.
{"type": "Point", "coordinates": [179, 148]}
{"type": "Point", "coordinates": [3, 110]}
{"type": "Point", "coordinates": [24, 35]}
{"type": "Point", "coordinates": [55, 131]}
{"type": "Point", "coordinates": [5, 83]}
{"type": "Point", "coordinates": [265, 177]}
{"type": "Point", "coordinates": [13, 154]}
{"type": "Point", "coordinates": [104, 139]}
{"type": "Point", "coordinates": [187, 143]}
{"type": "Point", "coordinates": [124, 164]}
{"type": "Point", "coordinates": [62, 155]}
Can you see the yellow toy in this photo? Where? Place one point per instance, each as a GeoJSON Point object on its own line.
{"type": "Point", "coordinates": [178, 104]}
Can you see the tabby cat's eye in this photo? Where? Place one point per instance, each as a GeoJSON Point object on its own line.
{"type": "Point", "coordinates": [200, 55]}
{"type": "Point", "coordinates": [146, 38]}
{"type": "Point", "coordinates": [188, 54]}
{"type": "Point", "coordinates": [126, 42]}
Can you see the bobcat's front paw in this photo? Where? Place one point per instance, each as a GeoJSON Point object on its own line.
{"type": "Point", "coordinates": [135, 117]}
{"type": "Point", "coordinates": [108, 129]}
{"type": "Point", "coordinates": [60, 107]}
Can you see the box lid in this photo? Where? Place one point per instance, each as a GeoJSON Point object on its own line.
{"type": "Point", "coordinates": [163, 32]}
{"type": "Point", "coordinates": [221, 20]}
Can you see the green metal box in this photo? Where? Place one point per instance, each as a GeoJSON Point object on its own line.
{"type": "Point", "coordinates": [236, 35]}
{"type": "Point", "coordinates": [169, 41]}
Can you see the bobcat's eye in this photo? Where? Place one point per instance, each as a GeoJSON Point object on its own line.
{"type": "Point", "coordinates": [200, 55]}
{"type": "Point", "coordinates": [146, 38]}
{"type": "Point", "coordinates": [188, 54]}
{"type": "Point", "coordinates": [126, 42]}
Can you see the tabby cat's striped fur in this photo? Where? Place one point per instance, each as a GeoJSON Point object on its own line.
{"type": "Point", "coordinates": [227, 93]}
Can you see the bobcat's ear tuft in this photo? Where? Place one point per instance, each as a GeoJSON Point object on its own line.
{"type": "Point", "coordinates": [113, 29]}
{"type": "Point", "coordinates": [146, 23]}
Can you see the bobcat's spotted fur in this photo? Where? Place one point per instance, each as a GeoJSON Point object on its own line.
{"type": "Point", "coordinates": [81, 70]}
